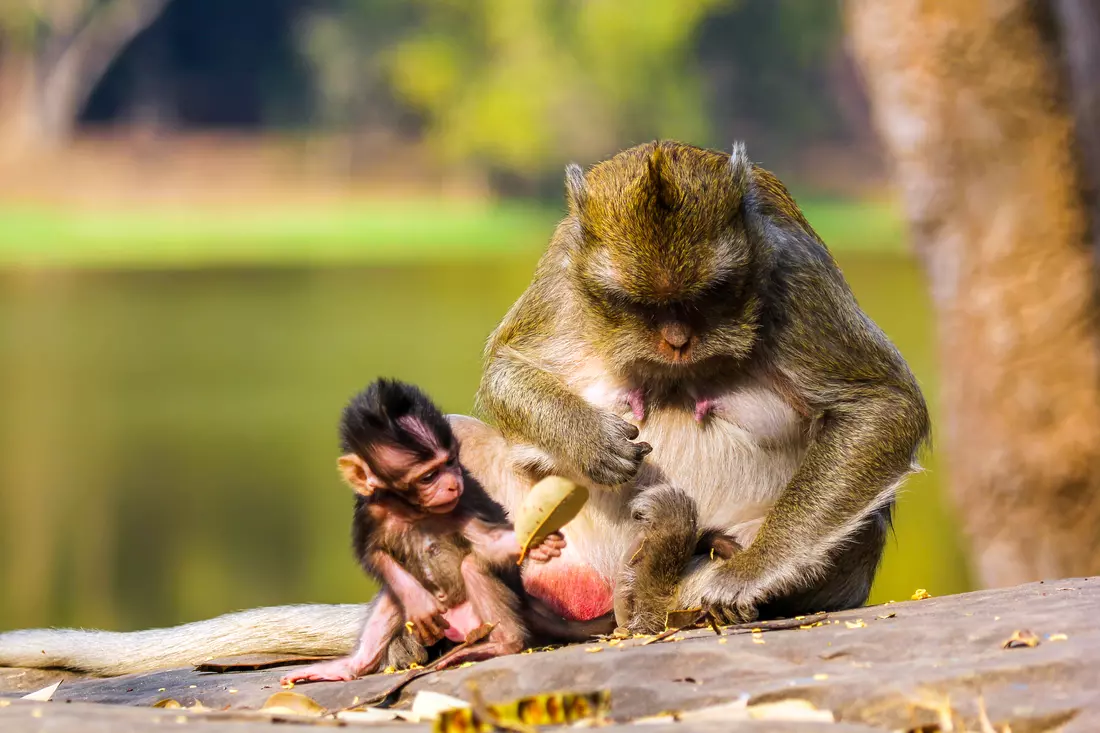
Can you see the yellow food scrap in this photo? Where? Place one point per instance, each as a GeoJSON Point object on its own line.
{"type": "Point", "coordinates": [390, 670]}
{"type": "Point", "coordinates": [821, 676]}
{"type": "Point", "coordinates": [921, 594]}
{"type": "Point", "coordinates": [1021, 638]}
{"type": "Point", "coordinates": [409, 626]}
{"type": "Point", "coordinates": [284, 685]}
{"type": "Point", "coordinates": [594, 649]}
{"type": "Point", "coordinates": [757, 639]}
{"type": "Point", "coordinates": [723, 640]}
{"type": "Point", "coordinates": [857, 624]}
{"type": "Point", "coordinates": [1057, 637]}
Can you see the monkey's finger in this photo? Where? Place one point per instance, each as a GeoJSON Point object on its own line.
{"type": "Point", "coordinates": [642, 450]}
{"type": "Point", "coordinates": [631, 431]}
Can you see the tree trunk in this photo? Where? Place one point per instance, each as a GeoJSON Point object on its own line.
{"type": "Point", "coordinates": [74, 47]}
{"type": "Point", "coordinates": [968, 98]}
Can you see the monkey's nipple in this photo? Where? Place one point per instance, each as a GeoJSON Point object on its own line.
{"type": "Point", "coordinates": [636, 399]}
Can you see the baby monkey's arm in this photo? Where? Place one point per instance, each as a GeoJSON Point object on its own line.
{"type": "Point", "coordinates": [497, 543]}
{"type": "Point", "coordinates": [422, 609]}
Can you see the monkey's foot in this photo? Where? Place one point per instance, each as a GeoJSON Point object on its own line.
{"type": "Point", "coordinates": [703, 408]}
{"type": "Point", "coordinates": [636, 399]}
{"type": "Point", "coordinates": [344, 669]}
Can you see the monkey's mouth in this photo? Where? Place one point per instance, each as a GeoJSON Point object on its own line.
{"type": "Point", "coordinates": [444, 508]}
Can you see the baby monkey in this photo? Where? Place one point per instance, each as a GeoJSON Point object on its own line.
{"type": "Point", "coordinates": [442, 549]}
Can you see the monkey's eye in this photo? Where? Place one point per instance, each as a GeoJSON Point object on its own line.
{"type": "Point", "coordinates": [429, 476]}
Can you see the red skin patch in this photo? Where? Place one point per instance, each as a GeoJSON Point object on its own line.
{"type": "Point", "coordinates": [576, 592]}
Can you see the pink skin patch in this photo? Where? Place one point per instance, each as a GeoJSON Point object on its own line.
{"type": "Point", "coordinates": [703, 408]}
{"type": "Point", "coordinates": [463, 619]}
{"type": "Point", "coordinates": [636, 399]}
{"type": "Point", "coordinates": [575, 592]}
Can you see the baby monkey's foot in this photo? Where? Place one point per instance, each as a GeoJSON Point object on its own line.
{"type": "Point", "coordinates": [344, 669]}
{"type": "Point", "coordinates": [703, 408]}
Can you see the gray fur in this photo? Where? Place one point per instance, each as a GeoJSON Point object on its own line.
{"type": "Point", "coordinates": [312, 629]}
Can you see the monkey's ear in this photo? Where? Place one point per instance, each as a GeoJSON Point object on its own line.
{"type": "Point", "coordinates": [357, 474]}
{"type": "Point", "coordinates": [740, 168]}
{"type": "Point", "coordinates": [576, 190]}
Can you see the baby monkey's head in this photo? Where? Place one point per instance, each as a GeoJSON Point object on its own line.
{"type": "Point", "coordinates": [660, 255]}
{"type": "Point", "coordinates": [395, 439]}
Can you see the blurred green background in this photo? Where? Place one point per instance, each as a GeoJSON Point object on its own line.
{"type": "Point", "coordinates": [254, 208]}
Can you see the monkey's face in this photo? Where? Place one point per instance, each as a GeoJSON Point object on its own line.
{"type": "Point", "coordinates": [433, 484]}
{"type": "Point", "coordinates": [660, 256]}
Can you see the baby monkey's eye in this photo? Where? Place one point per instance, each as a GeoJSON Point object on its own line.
{"type": "Point", "coordinates": [429, 476]}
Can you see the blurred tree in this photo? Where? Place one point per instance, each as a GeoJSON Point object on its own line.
{"type": "Point", "coordinates": [972, 102]}
{"type": "Point", "coordinates": [52, 53]}
{"type": "Point", "coordinates": [514, 84]}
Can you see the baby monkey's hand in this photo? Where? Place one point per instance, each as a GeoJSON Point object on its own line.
{"type": "Point", "coordinates": [548, 549]}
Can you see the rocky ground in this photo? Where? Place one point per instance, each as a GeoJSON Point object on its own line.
{"type": "Point", "coordinates": [1022, 659]}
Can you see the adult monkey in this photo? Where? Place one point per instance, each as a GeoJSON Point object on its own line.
{"type": "Point", "coordinates": [685, 301]}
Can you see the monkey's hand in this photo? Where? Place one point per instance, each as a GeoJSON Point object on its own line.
{"type": "Point", "coordinates": [548, 549]}
{"type": "Point", "coordinates": [610, 457]}
{"type": "Point", "coordinates": [727, 595]}
{"type": "Point", "coordinates": [425, 614]}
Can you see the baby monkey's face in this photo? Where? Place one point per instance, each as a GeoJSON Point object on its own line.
{"type": "Point", "coordinates": [434, 483]}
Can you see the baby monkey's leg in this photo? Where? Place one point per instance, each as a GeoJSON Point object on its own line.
{"type": "Point", "coordinates": [495, 603]}
{"type": "Point", "coordinates": [382, 627]}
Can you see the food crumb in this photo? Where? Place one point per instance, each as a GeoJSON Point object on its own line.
{"type": "Point", "coordinates": [1058, 637]}
{"type": "Point", "coordinates": [821, 676]}
{"type": "Point", "coordinates": [921, 594]}
{"type": "Point", "coordinates": [857, 624]}
{"type": "Point", "coordinates": [594, 649]}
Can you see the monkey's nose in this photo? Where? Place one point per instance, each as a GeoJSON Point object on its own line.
{"type": "Point", "coordinates": [676, 334]}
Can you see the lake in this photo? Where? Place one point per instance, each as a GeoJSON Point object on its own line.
{"type": "Point", "coordinates": [168, 438]}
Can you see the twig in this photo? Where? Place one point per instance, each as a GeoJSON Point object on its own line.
{"type": "Point", "coordinates": [472, 639]}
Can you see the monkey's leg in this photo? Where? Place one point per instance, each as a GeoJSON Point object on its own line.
{"type": "Point", "coordinates": [380, 631]}
{"type": "Point", "coordinates": [548, 627]}
{"type": "Point", "coordinates": [845, 582]}
{"type": "Point", "coordinates": [495, 603]}
{"type": "Point", "coordinates": [655, 562]}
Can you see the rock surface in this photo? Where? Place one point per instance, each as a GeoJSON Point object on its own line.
{"type": "Point", "coordinates": [917, 665]}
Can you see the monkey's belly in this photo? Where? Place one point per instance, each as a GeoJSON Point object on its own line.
{"type": "Point", "coordinates": [574, 591]}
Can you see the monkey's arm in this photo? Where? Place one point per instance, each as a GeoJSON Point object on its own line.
{"type": "Point", "coordinates": [421, 607]}
{"type": "Point", "coordinates": [871, 420]}
{"type": "Point", "coordinates": [498, 545]}
{"type": "Point", "coordinates": [531, 405]}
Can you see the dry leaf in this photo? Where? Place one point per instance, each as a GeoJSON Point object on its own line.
{"type": "Point", "coordinates": [921, 594]}
{"type": "Point", "coordinates": [168, 704]}
{"type": "Point", "coordinates": [44, 694]}
{"type": "Point", "coordinates": [549, 505]}
{"type": "Point", "coordinates": [886, 615]}
{"type": "Point", "coordinates": [1019, 639]}
{"type": "Point", "coordinates": [292, 703]}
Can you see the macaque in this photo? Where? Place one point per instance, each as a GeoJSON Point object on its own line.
{"type": "Point", "coordinates": [443, 550]}
{"type": "Point", "coordinates": [689, 351]}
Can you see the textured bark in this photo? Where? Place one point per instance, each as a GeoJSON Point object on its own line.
{"type": "Point", "coordinates": [968, 99]}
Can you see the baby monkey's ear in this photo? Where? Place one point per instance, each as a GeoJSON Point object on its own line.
{"type": "Point", "coordinates": [357, 474]}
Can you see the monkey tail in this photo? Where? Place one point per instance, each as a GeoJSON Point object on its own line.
{"type": "Point", "coordinates": [314, 630]}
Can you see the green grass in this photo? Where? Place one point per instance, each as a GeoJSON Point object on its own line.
{"type": "Point", "coordinates": [366, 233]}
